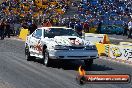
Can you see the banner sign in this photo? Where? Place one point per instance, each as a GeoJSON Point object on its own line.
{"type": "Point", "coordinates": [121, 52]}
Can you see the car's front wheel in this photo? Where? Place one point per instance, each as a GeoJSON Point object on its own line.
{"type": "Point", "coordinates": [27, 54]}
{"type": "Point", "coordinates": [47, 60]}
{"type": "Point", "coordinates": [88, 63]}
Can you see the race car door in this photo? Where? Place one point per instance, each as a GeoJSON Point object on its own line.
{"type": "Point", "coordinates": [36, 42]}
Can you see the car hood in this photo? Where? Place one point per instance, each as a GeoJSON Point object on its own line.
{"type": "Point", "coordinates": [70, 41]}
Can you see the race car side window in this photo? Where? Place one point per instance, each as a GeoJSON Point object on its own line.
{"type": "Point", "coordinates": [38, 33]}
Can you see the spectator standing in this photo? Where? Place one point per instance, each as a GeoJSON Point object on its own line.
{"type": "Point", "coordinates": [86, 27]}
{"type": "Point", "coordinates": [130, 29]}
{"type": "Point", "coordinates": [24, 25]}
{"type": "Point", "coordinates": [17, 28]}
{"type": "Point", "coordinates": [2, 30]}
{"type": "Point", "coordinates": [12, 31]}
{"type": "Point", "coordinates": [99, 27]}
{"type": "Point", "coordinates": [44, 23]}
{"type": "Point", "coordinates": [7, 29]}
{"type": "Point", "coordinates": [78, 27]}
{"type": "Point", "coordinates": [54, 21]}
{"type": "Point", "coordinates": [57, 21]}
{"type": "Point", "coordinates": [71, 24]}
{"type": "Point", "coordinates": [125, 29]}
{"type": "Point", "coordinates": [32, 28]}
{"type": "Point", "coordinates": [47, 23]}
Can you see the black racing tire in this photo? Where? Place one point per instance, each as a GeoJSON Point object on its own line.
{"type": "Point", "coordinates": [27, 54]}
{"type": "Point", "coordinates": [88, 63]}
{"type": "Point", "coordinates": [46, 59]}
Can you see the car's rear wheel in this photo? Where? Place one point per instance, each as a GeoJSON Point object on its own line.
{"type": "Point", "coordinates": [47, 60]}
{"type": "Point", "coordinates": [27, 54]}
{"type": "Point", "coordinates": [88, 63]}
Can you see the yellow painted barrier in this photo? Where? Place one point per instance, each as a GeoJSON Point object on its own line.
{"type": "Point", "coordinates": [101, 49]}
{"type": "Point", "coordinates": [23, 34]}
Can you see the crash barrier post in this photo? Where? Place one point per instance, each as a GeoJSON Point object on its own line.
{"type": "Point", "coordinates": [97, 38]}
{"type": "Point", "coordinates": [107, 49]}
{"type": "Point", "coordinates": [101, 49]}
{"type": "Point", "coordinates": [23, 34]}
{"type": "Point", "coordinates": [121, 53]}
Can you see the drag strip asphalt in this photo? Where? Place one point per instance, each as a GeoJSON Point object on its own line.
{"type": "Point", "coordinates": [20, 73]}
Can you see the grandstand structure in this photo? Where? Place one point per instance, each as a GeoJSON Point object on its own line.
{"type": "Point", "coordinates": [32, 9]}
{"type": "Point", "coordinates": [111, 12]}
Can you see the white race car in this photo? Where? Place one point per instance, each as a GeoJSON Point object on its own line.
{"type": "Point", "coordinates": [60, 43]}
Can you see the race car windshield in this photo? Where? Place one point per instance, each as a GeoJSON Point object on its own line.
{"type": "Point", "coordinates": [52, 32]}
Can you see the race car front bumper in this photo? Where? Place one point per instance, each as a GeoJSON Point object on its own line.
{"type": "Point", "coordinates": [73, 54]}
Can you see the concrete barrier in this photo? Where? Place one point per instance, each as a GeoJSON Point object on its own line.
{"type": "Point", "coordinates": [97, 38]}
{"type": "Point", "coordinates": [23, 34]}
{"type": "Point", "coordinates": [125, 43]}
